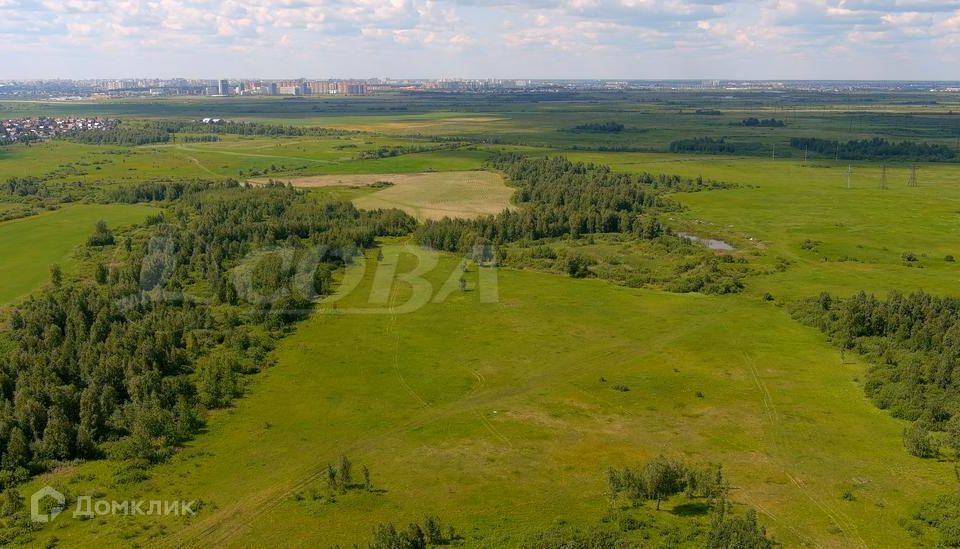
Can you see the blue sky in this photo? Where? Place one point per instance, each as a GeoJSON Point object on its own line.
{"type": "Point", "coordinates": [776, 39]}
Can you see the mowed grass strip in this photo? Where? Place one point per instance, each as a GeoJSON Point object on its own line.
{"type": "Point", "coordinates": [30, 245]}
{"type": "Point", "coordinates": [501, 418]}
{"type": "Point", "coordinates": [430, 195]}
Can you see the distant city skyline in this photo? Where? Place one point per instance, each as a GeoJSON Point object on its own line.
{"type": "Point", "coordinates": [508, 39]}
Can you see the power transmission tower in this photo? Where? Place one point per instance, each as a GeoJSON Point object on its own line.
{"type": "Point", "coordinates": [912, 182]}
{"type": "Point", "coordinates": [883, 177]}
{"type": "Point", "coordinates": [849, 172]}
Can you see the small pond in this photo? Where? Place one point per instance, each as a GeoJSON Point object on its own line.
{"type": "Point", "coordinates": [711, 243]}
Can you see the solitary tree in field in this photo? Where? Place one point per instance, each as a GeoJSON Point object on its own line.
{"type": "Point", "coordinates": [331, 477]}
{"type": "Point", "coordinates": [345, 476]}
{"type": "Point", "coordinates": [102, 236]}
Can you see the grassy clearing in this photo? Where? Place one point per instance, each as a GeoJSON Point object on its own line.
{"type": "Point", "coordinates": [30, 245]}
{"type": "Point", "coordinates": [431, 195]}
{"type": "Point", "coordinates": [509, 429]}
{"type": "Point", "coordinates": [238, 158]}
{"type": "Point", "coordinates": [859, 235]}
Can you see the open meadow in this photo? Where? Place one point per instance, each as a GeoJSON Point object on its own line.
{"type": "Point", "coordinates": [497, 408]}
{"type": "Point", "coordinates": [239, 158]}
{"type": "Point", "coordinates": [513, 426]}
{"type": "Point", "coordinates": [29, 246]}
{"type": "Point", "coordinates": [431, 195]}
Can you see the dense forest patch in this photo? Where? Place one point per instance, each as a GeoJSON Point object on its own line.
{"type": "Point", "coordinates": [124, 365]}
{"type": "Point", "coordinates": [754, 122]}
{"type": "Point", "coordinates": [913, 342]}
{"type": "Point", "coordinates": [874, 149]}
{"type": "Point", "coordinates": [599, 127]}
{"type": "Point", "coordinates": [711, 145]}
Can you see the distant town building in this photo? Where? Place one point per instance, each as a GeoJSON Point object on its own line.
{"type": "Point", "coordinates": [351, 88]}
{"type": "Point", "coordinates": [223, 87]}
{"type": "Point", "coordinates": [318, 87]}
{"type": "Point", "coordinates": [291, 87]}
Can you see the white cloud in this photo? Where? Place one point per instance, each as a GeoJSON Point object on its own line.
{"type": "Point", "coordinates": [520, 37]}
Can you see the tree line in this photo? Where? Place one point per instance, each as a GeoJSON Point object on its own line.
{"type": "Point", "coordinates": [710, 145]}
{"type": "Point", "coordinates": [200, 139]}
{"type": "Point", "coordinates": [163, 131]}
{"type": "Point", "coordinates": [874, 149]}
{"type": "Point", "coordinates": [706, 145]}
{"type": "Point", "coordinates": [397, 150]}
{"type": "Point", "coordinates": [599, 127]}
{"type": "Point", "coordinates": [244, 128]}
{"type": "Point", "coordinates": [122, 136]}
{"type": "Point", "coordinates": [754, 122]}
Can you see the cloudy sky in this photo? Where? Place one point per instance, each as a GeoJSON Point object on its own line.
{"type": "Point", "coordinates": [842, 39]}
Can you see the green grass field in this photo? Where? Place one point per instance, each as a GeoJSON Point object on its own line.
{"type": "Point", "coordinates": [510, 428]}
{"type": "Point", "coordinates": [30, 245]}
{"type": "Point", "coordinates": [493, 416]}
{"type": "Point", "coordinates": [861, 232]}
{"type": "Point", "coordinates": [238, 158]}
